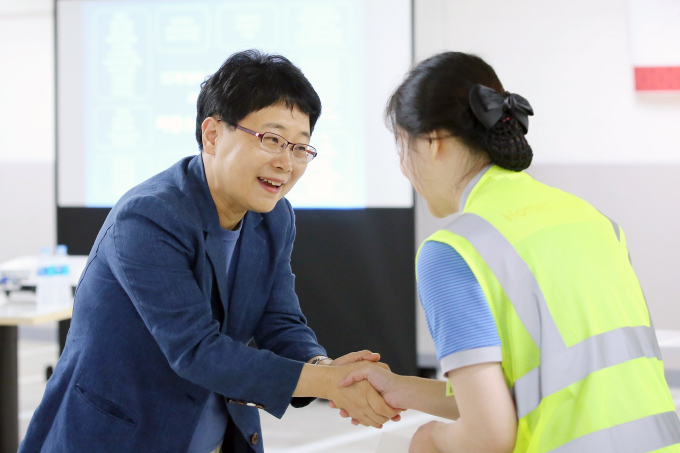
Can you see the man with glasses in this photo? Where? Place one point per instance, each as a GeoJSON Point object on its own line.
{"type": "Point", "coordinates": [189, 267]}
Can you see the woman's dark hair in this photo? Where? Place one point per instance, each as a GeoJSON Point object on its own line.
{"type": "Point", "coordinates": [435, 95]}
{"type": "Point", "coordinates": [250, 81]}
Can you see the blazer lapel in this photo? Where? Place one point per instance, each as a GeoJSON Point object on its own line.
{"type": "Point", "coordinates": [250, 261]}
{"type": "Point", "coordinates": [197, 187]}
{"type": "Point", "coordinates": [215, 249]}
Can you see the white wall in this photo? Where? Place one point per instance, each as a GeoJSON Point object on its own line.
{"type": "Point", "coordinates": [27, 218]}
{"type": "Point", "coordinates": [592, 135]}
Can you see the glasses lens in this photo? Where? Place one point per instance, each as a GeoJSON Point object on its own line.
{"type": "Point", "coordinates": [300, 152]}
{"type": "Point", "coordinates": [276, 144]}
{"type": "Point", "coordinates": [311, 153]}
{"type": "Point", "coordinates": [273, 143]}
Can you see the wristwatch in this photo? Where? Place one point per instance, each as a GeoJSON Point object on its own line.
{"type": "Point", "coordinates": [319, 359]}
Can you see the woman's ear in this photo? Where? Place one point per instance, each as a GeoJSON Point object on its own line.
{"type": "Point", "coordinates": [209, 129]}
{"type": "Point", "coordinates": [434, 144]}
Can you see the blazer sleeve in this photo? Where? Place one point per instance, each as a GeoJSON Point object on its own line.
{"type": "Point", "coordinates": [150, 253]}
{"type": "Point", "coordinates": [283, 328]}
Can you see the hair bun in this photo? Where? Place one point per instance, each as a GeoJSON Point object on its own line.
{"type": "Point", "coordinates": [506, 144]}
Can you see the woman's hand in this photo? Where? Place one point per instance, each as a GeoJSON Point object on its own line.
{"type": "Point", "coordinates": [423, 441]}
{"type": "Point", "coordinates": [384, 381]}
{"type": "Point", "coordinates": [381, 379]}
{"type": "Point", "coordinates": [361, 401]}
{"type": "Point", "coordinates": [354, 357]}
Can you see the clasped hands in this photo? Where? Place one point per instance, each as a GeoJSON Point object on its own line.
{"type": "Point", "coordinates": [360, 387]}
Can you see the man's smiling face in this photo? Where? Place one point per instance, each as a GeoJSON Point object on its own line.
{"type": "Point", "coordinates": [241, 175]}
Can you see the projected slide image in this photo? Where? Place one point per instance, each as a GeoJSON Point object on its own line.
{"type": "Point", "coordinates": [122, 47]}
{"type": "Point", "coordinates": [143, 63]}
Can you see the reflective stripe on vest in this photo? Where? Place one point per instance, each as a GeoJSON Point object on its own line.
{"type": "Point", "coordinates": [639, 436]}
{"type": "Point", "coordinates": [561, 366]}
{"type": "Point", "coordinates": [515, 277]}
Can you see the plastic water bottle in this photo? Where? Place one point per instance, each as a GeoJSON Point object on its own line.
{"type": "Point", "coordinates": [3, 287]}
{"type": "Point", "coordinates": [62, 278]}
{"type": "Point", "coordinates": [45, 286]}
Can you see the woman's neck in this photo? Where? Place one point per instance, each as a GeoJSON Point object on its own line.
{"type": "Point", "coordinates": [468, 175]}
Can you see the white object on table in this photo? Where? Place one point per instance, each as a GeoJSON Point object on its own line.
{"type": "Point", "coordinates": [20, 307]}
{"type": "Point", "coordinates": [25, 269]}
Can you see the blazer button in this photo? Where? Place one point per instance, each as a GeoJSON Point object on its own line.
{"type": "Point", "coordinates": [254, 438]}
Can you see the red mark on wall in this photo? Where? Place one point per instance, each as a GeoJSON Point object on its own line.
{"type": "Point", "coordinates": [657, 79]}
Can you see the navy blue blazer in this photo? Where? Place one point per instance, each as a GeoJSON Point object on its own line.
{"type": "Point", "coordinates": [145, 348]}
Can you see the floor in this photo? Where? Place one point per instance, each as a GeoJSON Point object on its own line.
{"type": "Point", "coordinates": [316, 428]}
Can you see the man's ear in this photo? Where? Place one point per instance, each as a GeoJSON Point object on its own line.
{"type": "Point", "coordinates": [209, 129]}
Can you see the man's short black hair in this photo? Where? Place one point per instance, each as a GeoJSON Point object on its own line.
{"type": "Point", "coordinates": [250, 81]}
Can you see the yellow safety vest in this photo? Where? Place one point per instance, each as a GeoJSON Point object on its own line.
{"type": "Point", "coordinates": [580, 354]}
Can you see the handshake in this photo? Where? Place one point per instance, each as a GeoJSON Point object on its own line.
{"type": "Point", "coordinates": [357, 384]}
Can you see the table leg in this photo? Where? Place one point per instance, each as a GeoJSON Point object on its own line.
{"type": "Point", "coordinates": [63, 332]}
{"type": "Point", "coordinates": [9, 390]}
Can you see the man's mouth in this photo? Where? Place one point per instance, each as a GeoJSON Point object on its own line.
{"type": "Point", "coordinates": [270, 182]}
{"type": "Point", "coordinates": [270, 185]}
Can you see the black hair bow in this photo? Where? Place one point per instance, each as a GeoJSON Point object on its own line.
{"type": "Point", "coordinates": [489, 105]}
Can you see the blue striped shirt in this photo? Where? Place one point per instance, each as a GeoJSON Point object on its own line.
{"type": "Point", "coordinates": [458, 315]}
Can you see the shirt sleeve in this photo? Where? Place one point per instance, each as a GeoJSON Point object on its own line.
{"type": "Point", "coordinates": [457, 312]}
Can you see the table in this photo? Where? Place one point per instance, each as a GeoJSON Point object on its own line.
{"type": "Point", "coordinates": [11, 316]}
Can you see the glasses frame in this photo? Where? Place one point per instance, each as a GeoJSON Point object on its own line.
{"type": "Point", "coordinates": [311, 151]}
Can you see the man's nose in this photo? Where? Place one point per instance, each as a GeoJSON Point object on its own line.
{"type": "Point", "coordinates": [284, 160]}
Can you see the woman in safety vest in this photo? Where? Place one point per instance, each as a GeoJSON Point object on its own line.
{"type": "Point", "coordinates": [537, 316]}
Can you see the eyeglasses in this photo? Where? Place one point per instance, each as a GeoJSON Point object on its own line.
{"type": "Point", "coordinates": [275, 144]}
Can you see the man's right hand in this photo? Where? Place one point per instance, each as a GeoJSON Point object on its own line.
{"type": "Point", "coordinates": [359, 399]}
